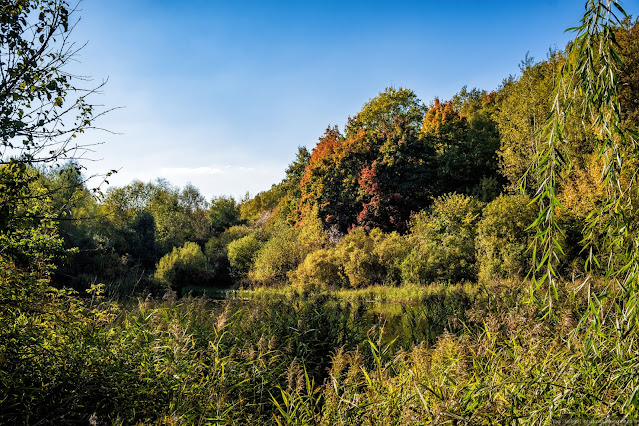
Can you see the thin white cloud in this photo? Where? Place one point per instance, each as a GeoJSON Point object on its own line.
{"type": "Point", "coordinates": [191, 171]}
{"type": "Point", "coordinates": [242, 169]}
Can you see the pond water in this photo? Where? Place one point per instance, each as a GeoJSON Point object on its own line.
{"type": "Point", "coordinates": [350, 322]}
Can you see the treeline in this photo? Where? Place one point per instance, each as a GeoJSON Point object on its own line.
{"type": "Point", "coordinates": [407, 193]}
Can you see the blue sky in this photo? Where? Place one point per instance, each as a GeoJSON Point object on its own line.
{"type": "Point", "coordinates": [221, 94]}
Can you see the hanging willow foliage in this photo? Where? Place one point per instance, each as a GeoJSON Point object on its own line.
{"type": "Point", "coordinates": [588, 86]}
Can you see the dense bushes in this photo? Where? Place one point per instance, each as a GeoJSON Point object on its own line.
{"type": "Point", "coordinates": [444, 241]}
{"type": "Point", "coordinates": [281, 253]}
{"type": "Point", "coordinates": [503, 237]}
{"type": "Point", "coordinates": [321, 270]}
{"type": "Point", "coordinates": [183, 267]}
{"type": "Point", "coordinates": [454, 241]}
{"type": "Point", "coordinates": [242, 253]}
{"type": "Point", "coordinates": [358, 260]}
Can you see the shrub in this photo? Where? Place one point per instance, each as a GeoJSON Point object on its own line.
{"type": "Point", "coordinates": [282, 253]}
{"type": "Point", "coordinates": [311, 230]}
{"type": "Point", "coordinates": [358, 259]}
{"type": "Point", "coordinates": [444, 241]}
{"type": "Point", "coordinates": [216, 251]}
{"type": "Point", "coordinates": [390, 251]}
{"type": "Point", "coordinates": [182, 267]}
{"type": "Point", "coordinates": [414, 268]}
{"type": "Point", "coordinates": [217, 245]}
{"type": "Point", "coordinates": [320, 270]}
{"type": "Point", "coordinates": [242, 253]}
{"type": "Point", "coordinates": [502, 238]}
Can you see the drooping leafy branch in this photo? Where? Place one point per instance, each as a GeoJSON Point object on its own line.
{"type": "Point", "coordinates": [588, 87]}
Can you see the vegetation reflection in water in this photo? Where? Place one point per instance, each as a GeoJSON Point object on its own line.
{"type": "Point", "coordinates": [403, 316]}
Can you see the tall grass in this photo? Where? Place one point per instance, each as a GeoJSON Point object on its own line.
{"type": "Point", "coordinates": [512, 363]}
{"type": "Point", "coordinates": [454, 355]}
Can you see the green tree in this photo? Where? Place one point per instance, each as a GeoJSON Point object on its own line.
{"type": "Point", "coordinates": [289, 205]}
{"type": "Point", "coordinates": [524, 107]}
{"type": "Point", "coordinates": [179, 216]}
{"type": "Point", "coordinates": [41, 112]}
{"type": "Point", "coordinates": [295, 171]}
{"type": "Point", "coordinates": [223, 213]}
{"type": "Point", "coordinates": [124, 202]}
{"type": "Point", "coordinates": [195, 210]}
{"type": "Point", "coordinates": [465, 146]}
{"type": "Point", "coordinates": [29, 236]}
{"type": "Point", "coordinates": [379, 115]}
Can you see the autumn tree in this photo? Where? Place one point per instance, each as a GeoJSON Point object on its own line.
{"type": "Point", "coordinates": [375, 174]}
{"type": "Point", "coordinates": [322, 185]}
{"type": "Point", "coordinates": [398, 182]}
{"type": "Point", "coordinates": [397, 155]}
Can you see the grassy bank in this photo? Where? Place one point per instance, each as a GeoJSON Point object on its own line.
{"type": "Point", "coordinates": [406, 294]}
